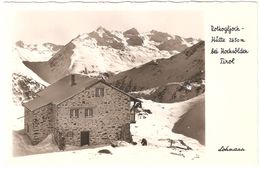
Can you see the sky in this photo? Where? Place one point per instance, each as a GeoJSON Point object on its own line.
{"type": "Point", "coordinates": [59, 27]}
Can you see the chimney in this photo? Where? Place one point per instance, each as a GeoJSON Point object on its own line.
{"type": "Point", "coordinates": [73, 82]}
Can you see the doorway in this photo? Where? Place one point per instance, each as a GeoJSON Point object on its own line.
{"type": "Point", "coordinates": [84, 138]}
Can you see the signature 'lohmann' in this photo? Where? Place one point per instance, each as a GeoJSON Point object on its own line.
{"type": "Point", "coordinates": [227, 148]}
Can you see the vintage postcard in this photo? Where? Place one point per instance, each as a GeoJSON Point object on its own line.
{"type": "Point", "coordinates": [144, 84]}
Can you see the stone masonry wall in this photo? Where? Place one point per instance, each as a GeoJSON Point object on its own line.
{"type": "Point", "coordinates": [40, 123]}
{"type": "Point", "coordinates": [28, 116]}
{"type": "Point", "coordinates": [110, 113]}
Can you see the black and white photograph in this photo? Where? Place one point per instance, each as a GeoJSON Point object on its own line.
{"type": "Point", "coordinates": [143, 84]}
{"type": "Point", "coordinates": [109, 82]}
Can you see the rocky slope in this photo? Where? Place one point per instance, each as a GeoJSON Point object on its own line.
{"type": "Point", "coordinates": [172, 92]}
{"type": "Point", "coordinates": [185, 67]}
{"type": "Point", "coordinates": [24, 88]}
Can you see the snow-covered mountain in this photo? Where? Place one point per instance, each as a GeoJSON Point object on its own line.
{"type": "Point", "coordinates": [25, 83]}
{"type": "Point", "coordinates": [104, 52]}
{"type": "Point", "coordinates": [35, 52]}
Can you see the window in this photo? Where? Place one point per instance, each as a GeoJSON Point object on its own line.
{"type": "Point", "coordinates": [88, 112]}
{"type": "Point", "coordinates": [99, 92]}
{"type": "Point", "coordinates": [74, 113]}
{"type": "Point", "coordinates": [70, 134]}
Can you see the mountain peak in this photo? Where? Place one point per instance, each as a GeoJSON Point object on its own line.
{"type": "Point", "coordinates": [159, 36]}
{"type": "Point", "coordinates": [131, 31]}
{"type": "Point", "coordinates": [20, 44]}
{"type": "Point", "coordinates": [100, 28]}
{"type": "Point", "coordinates": [155, 32]}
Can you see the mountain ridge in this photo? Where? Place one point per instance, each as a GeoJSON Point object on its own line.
{"type": "Point", "coordinates": [106, 52]}
{"type": "Point", "coordinates": [188, 65]}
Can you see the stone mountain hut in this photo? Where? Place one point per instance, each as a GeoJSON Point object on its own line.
{"type": "Point", "coordinates": [84, 111]}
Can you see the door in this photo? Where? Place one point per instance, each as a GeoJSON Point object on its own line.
{"type": "Point", "coordinates": [84, 138]}
{"type": "Point", "coordinates": [132, 117]}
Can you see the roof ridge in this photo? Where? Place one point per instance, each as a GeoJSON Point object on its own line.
{"type": "Point", "coordinates": [62, 90]}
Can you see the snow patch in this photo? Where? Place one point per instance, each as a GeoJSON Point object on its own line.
{"type": "Point", "coordinates": [34, 53]}
{"type": "Point", "coordinates": [147, 91]}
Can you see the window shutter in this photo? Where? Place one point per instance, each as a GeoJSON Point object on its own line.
{"type": "Point", "coordinates": [102, 91]}
{"type": "Point", "coordinates": [77, 113]}
{"type": "Point", "coordinates": [97, 92]}
{"type": "Point", "coordinates": [91, 112]}
{"type": "Point", "coordinates": [71, 113]}
{"type": "Point", "coordinates": [86, 112]}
